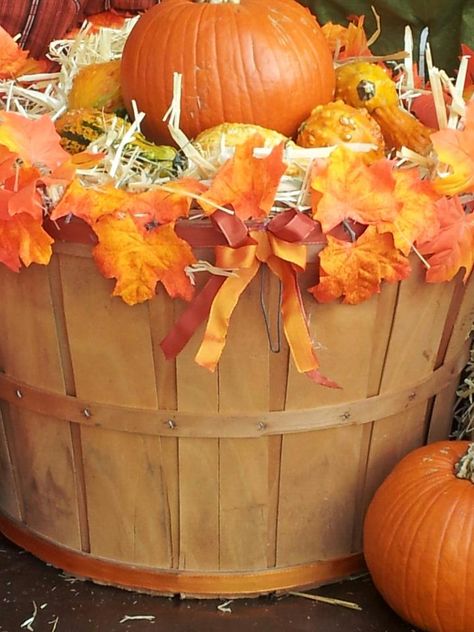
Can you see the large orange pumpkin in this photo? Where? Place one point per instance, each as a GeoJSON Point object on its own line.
{"type": "Point", "coordinates": [264, 62]}
{"type": "Point", "coordinates": [419, 537]}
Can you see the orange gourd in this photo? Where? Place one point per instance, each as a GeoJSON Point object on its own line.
{"type": "Point", "coordinates": [365, 84]}
{"type": "Point", "coordinates": [242, 61]}
{"type": "Point", "coordinates": [336, 123]}
{"type": "Point", "coordinates": [419, 537]}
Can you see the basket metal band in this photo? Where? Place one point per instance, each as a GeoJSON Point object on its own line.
{"type": "Point", "coordinates": [253, 424]}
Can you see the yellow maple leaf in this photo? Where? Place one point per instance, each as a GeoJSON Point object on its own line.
{"type": "Point", "coordinates": [355, 270]}
{"type": "Point", "coordinates": [139, 259]}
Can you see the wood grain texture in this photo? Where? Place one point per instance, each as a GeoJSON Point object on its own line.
{"type": "Point", "coordinates": [9, 501]}
{"type": "Point", "coordinates": [318, 491]}
{"type": "Point", "coordinates": [417, 330]}
{"type": "Point", "coordinates": [127, 500]}
{"type": "Point", "coordinates": [199, 504]}
{"type": "Point", "coordinates": [31, 351]}
{"type": "Point", "coordinates": [343, 336]}
{"type": "Point", "coordinates": [110, 342]}
{"type": "Point", "coordinates": [161, 314]}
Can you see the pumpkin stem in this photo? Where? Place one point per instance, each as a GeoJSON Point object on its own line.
{"type": "Point", "coordinates": [465, 467]}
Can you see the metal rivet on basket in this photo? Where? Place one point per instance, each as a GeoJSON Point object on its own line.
{"type": "Point", "coordinates": [412, 396]}
{"type": "Point", "coordinates": [87, 413]}
{"type": "Point", "coordinates": [261, 425]}
{"type": "Point", "coordinates": [18, 393]}
{"type": "Point", "coordinates": [171, 424]}
{"type": "Point", "coordinates": [346, 415]}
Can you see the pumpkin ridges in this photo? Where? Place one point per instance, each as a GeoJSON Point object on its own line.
{"type": "Point", "coordinates": [389, 532]}
{"type": "Point", "coordinates": [252, 97]}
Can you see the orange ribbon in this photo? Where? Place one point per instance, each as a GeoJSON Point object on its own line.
{"type": "Point", "coordinates": [280, 246]}
{"type": "Point", "coordinates": [285, 259]}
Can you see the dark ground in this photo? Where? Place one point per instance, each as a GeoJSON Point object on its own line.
{"type": "Point", "coordinates": [68, 605]}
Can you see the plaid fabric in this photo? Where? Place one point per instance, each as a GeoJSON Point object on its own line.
{"type": "Point", "coordinates": [40, 21]}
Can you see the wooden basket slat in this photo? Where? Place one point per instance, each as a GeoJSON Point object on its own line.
{"type": "Point", "coordinates": [161, 313]}
{"type": "Point", "coordinates": [464, 321]}
{"type": "Point", "coordinates": [126, 498]}
{"type": "Point", "coordinates": [244, 505]}
{"type": "Point", "coordinates": [170, 490]}
{"type": "Point", "coordinates": [47, 487]}
{"type": "Point", "coordinates": [109, 341]}
{"type": "Point", "coordinates": [417, 331]}
{"type": "Point", "coordinates": [343, 339]}
{"type": "Point", "coordinates": [319, 478]}
{"type": "Point", "coordinates": [9, 500]}
{"type": "Point", "coordinates": [42, 452]}
{"type": "Point", "coordinates": [199, 504]}
{"type": "Point", "coordinates": [441, 417]}
{"type": "Point", "coordinates": [392, 438]}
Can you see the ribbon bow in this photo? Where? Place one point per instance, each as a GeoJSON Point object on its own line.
{"type": "Point", "coordinates": [279, 246]}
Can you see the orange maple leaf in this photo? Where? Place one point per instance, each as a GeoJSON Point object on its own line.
{"type": "Point", "coordinates": [453, 246]}
{"type": "Point", "coordinates": [455, 149]}
{"type": "Point", "coordinates": [36, 141]}
{"type": "Point", "coordinates": [247, 183]}
{"type": "Point", "coordinates": [348, 188]}
{"type": "Point", "coordinates": [417, 218]}
{"type": "Point", "coordinates": [12, 57]}
{"type": "Point", "coordinates": [356, 270]}
{"type": "Point", "coordinates": [139, 259]}
{"type": "Point", "coordinates": [15, 61]}
{"type": "Point", "coordinates": [158, 205]}
{"type": "Point", "coordinates": [23, 240]}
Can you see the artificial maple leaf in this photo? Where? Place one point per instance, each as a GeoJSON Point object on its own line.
{"type": "Point", "coordinates": [417, 218]}
{"type": "Point", "coordinates": [14, 61]}
{"type": "Point", "coordinates": [351, 189]}
{"type": "Point", "coordinates": [247, 183]}
{"type": "Point", "coordinates": [19, 193]}
{"type": "Point", "coordinates": [23, 240]}
{"type": "Point", "coordinates": [453, 246]}
{"type": "Point", "coordinates": [36, 141]}
{"type": "Point", "coordinates": [157, 205]}
{"type": "Point", "coordinates": [139, 259]}
{"type": "Point", "coordinates": [356, 270]}
{"type": "Point", "coordinates": [166, 203]}
{"type": "Point", "coordinates": [455, 148]}
{"type": "Point", "coordinates": [12, 57]}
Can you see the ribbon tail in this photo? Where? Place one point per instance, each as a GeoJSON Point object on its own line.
{"type": "Point", "coordinates": [191, 318]}
{"type": "Point", "coordinates": [222, 308]}
{"type": "Point", "coordinates": [295, 324]}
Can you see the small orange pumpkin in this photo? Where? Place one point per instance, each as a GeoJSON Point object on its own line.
{"type": "Point", "coordinates": [419, 537]}
{"type": "Point", "coordinates": [242, 61]}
